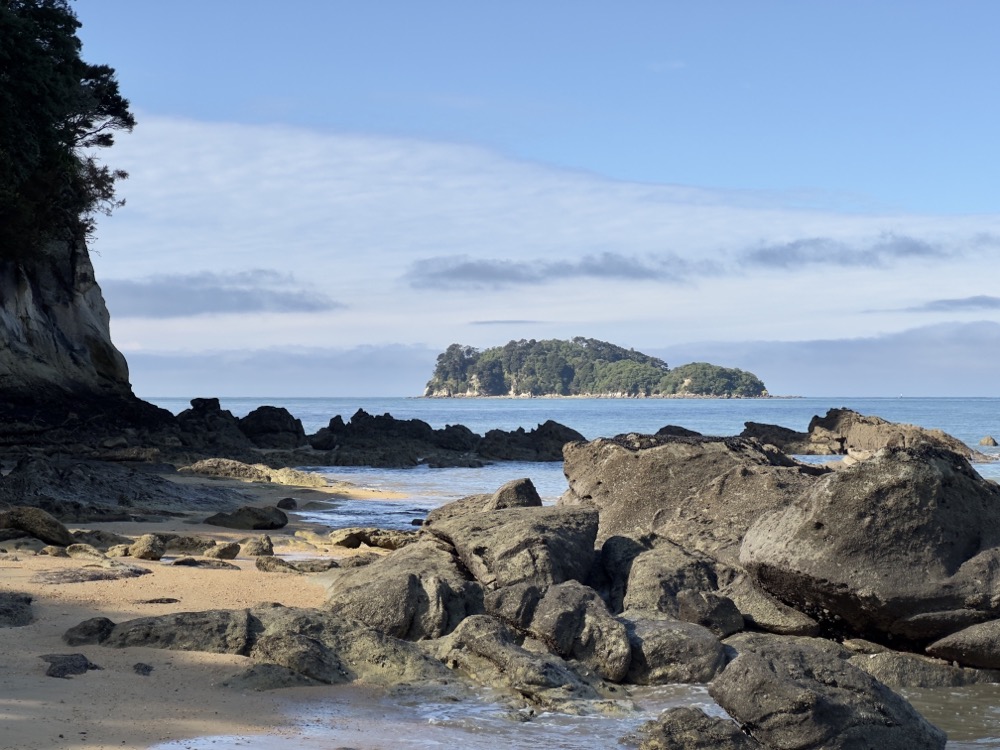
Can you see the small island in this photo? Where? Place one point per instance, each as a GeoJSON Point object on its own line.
{"type": "Point", "coordinates": [580, 367]}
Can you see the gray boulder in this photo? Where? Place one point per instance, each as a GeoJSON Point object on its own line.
{"type": "Point", "coordinates": [67, 665]}
{"type": "Point", "coordinates": [272, 564]}
{"type": "Point", "coordinates": [273, 427]}
{"type": "Point", "coordinates": [37, 523]}
{"type": "Point", "coordinates": [701, 493]}
{"type": "Point", "coordinates": [666, 650]}
{"type": "Point", "coordinates": [310, 642]}
{"type": "Point", "coordinates": [974, 646]}
{"type": "Point", "coordinates": [902, 670]}
{"type": "Point", "coordinates": [710, 610]}
{"type": "Point", "coordinates": [543, 546]}
{"type": "Point", "coordinates": [251, 518]}
{"type": "Point", "coordinates": [419, 591]}
{"type": "Point", "coordinates": [904, 544]}
{"type": "Point", "coordinates": [517, 493]}
{"type": "Point", "coordinates": [793, 696]}
{"type": "Point", "coordinates": [258, 546]}
{"type": "Point", "coordinates": [762, 611]}
{"type": "Point", "coordinates": [147, 547]}
{"type": "Point", "coordinates": [219, 631]}
{"type": "Point", "coordinates": [572, 620]}
{"type": "Point", "coordinates": [226, 551]}
{"type": "Point", "coordinates": [688, 728]}
{"type": "Point", "coordinates": [843, 431]}
{"type": "Point", "coordinates": [656, 576]}
{"type": "Point", "coordinates": [94, 630]}
{"type": "Point", "coordinates": [355, 536]}
{"type": "Point", "coordinates": [484, 650]}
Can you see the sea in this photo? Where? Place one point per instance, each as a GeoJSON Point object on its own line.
{"type": "Point", "coordinates": [970, 715]}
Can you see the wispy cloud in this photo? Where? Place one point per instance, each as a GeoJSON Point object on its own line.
{"type": "Point", "coordinates": [978, 303]}
{"type": "Point", "coordinates": [885, 250]}
{"type": "Point", "coordinates": [506, 322]}
{"type": "Point", "coordinates": [207, 293]}
{"type": "Point", "coordinates": [461, 272]}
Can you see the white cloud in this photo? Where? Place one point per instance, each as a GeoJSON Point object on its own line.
{"type": "Point", "coordinates": [419, 240]}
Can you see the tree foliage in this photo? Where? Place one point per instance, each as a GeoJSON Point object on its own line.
{"type": "Point", "coordinates": [578, 367]}
{"type": "Point", "coordinates": [55, 111]}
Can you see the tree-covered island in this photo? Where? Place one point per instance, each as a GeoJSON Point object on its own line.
{"type": "Point", "coordinates": [580, 367]}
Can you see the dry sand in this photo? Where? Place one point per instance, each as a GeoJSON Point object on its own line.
{"type": "Point", "coordinates": [182, 697]}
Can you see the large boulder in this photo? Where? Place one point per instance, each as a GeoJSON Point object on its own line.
{"type": "Point", "coordinates": [417, 592]}
{"type": "Point", "coordinates": [689, 728]}
{"type": "Point", "coordinates": [485, 650]}
{"type": "Point", "coordinates": [843, 431]}
{"type": "Point", "coordinates": [797, 697]}
{"type": "Point", "coordinates": [544, 443]}
{"type": "Point", "coordinates": [540, 545]}
{"type": "Point", "coordinates": [667, 651]}
{"type": "Point", "coordinates": [273, 427]}
{"type": "Point", "coordinates": [250, 518]}
{"type": "Point", "coordinates": [314, 643]}
{"type": "Point", "coordinates": [658, 575]}
{"type": "Point", "coordinates": [702, 493]}
{"type": "Point", "coordinates": [208, 429]}
{"type": "Point", "coordinates": [37, 523]}
{"type": "Point", "coordinates": [903, 545]}
{"type": "Point", "coordinates": [975, 646]}
{"type": "Point", "coordinates": [574, 622]}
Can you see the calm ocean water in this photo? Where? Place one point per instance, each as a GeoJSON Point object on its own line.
{"type": "Point", "coordinates": [970, 715]}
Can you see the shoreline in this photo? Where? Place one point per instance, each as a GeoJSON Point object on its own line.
{"type": "Point", "coordinates": [183, 696]}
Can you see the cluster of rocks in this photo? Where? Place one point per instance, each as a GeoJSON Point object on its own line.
{"type": "Point", "coordinates": [803, 595]}
{"type": "Point", "coordinates": [271, 436]}
{"type": "Point", "coordinates": [790, 589]}
{"type": "Point", "coordinates": [843, 432]}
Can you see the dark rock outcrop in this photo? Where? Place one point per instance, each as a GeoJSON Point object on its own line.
{"type": "Point", "coordinates": [250, 518]}
{"type": "Point", "coordinates": [62, 381]}
{"type": "Point", "coordinates": [572, 620]}
{"type": "Point", "coordinates": [666, 650]}
{"type": "Point", "coordinates": [702, 493]}
{"type": "Point", "coordinates": [37, 523]}
{"type": "Point", "coordinates": [544, 443]}
{"type": "Point", "coordinates": [539, 545]}
{"type": "Point", "coordinates": [903, 545]}
{"type": "Point", "coordinates": [485, 650]}
{"type": "Point", "coordinates": [420, 591]}
{"type": "Point", "coordinates": [688, 728]}
{"type": "Point", "coordinates": [791, 695]}
{"type": "Point", "coordinates": [273, 427]}
{"type": "Point", "coordinates": [843, 432]}
{"type": "Point", "coordinates": [82, 490]}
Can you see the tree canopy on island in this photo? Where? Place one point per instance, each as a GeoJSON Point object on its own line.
{"type": "Point", "coordinates": [579, 367]}
{"type": "Point", "coordinates": [55, 110]}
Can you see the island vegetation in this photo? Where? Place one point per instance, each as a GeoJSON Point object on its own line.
{"type": "Point", "coordinates": [580, 367]}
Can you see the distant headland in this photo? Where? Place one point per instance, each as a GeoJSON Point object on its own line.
{"type": "Point", "coordinates": [580, 367]}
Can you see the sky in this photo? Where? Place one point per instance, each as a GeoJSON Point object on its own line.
{"type": "Point", "coordinates": [324, 195]}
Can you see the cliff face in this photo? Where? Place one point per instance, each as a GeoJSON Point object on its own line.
{"type": "Point", "coordinates": [62, 381]}
{"type": "Point", "coordinates": [54, 329]}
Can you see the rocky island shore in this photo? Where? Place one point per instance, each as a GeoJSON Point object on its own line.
{"type": "Point", "coordinates": [791, 590]}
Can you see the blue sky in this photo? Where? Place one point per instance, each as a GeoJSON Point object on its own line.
{"type": "Point", "coordinates": [806, 190]}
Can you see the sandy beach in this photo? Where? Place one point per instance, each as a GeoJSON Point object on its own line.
{"type": "Point", "coordinates": [182, 696]}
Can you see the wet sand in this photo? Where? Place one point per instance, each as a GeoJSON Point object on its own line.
{"type": "Point", "coordinates": [115, 707]}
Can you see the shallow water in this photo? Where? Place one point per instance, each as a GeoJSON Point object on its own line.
{"type": "Point", "coordinates": [350, 719]}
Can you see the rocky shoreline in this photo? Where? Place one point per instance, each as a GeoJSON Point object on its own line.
{"type": "Point", "coordinates": [802, 595]}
